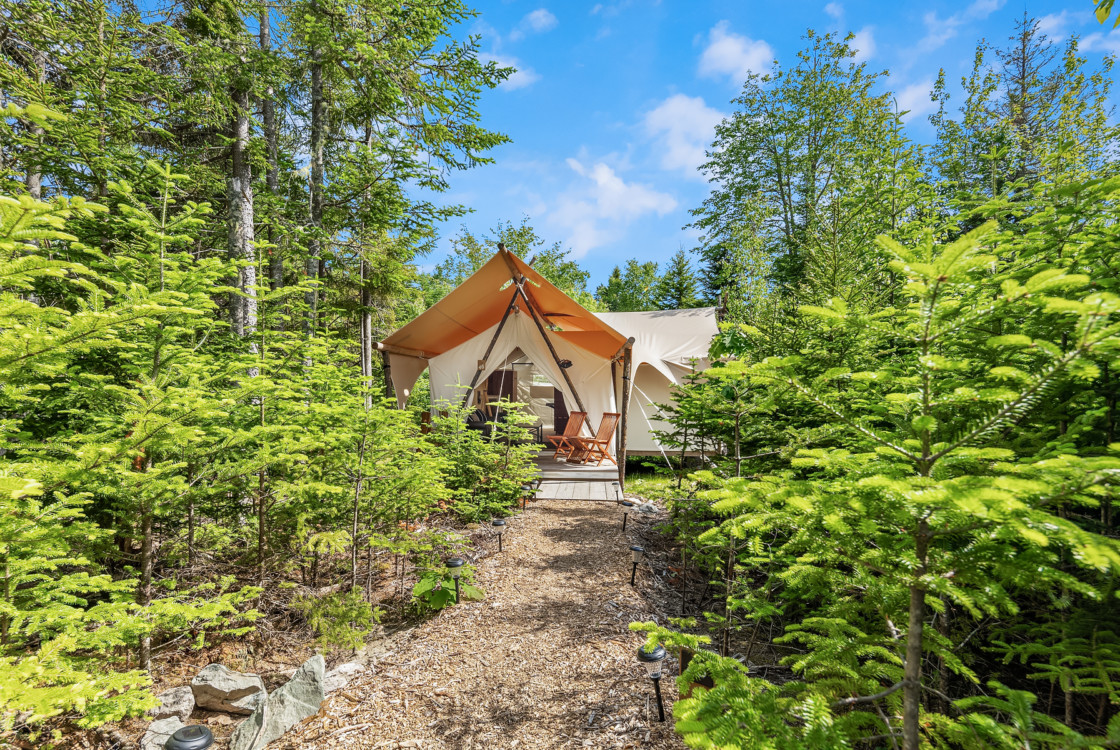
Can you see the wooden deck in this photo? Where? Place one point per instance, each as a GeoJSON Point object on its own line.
{"type": "Point", "coordinates": [563, 481]}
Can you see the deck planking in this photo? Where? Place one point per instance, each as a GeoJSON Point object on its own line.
{"type": "Point", "coordinates": [563, 481]}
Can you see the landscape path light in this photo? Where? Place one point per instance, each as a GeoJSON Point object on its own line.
{"type": "Point", "coordinates": [455, 567]}
{"type": "Point", "coordinates": [500, 527]}
{"type": "Point", "coordinates": [194, 737]}
{"type": "Point", "coordinates": [652, 661]}
{"type": "Point", "coordinates": [527, 491]}
{"type": "Point", "coordinates": [637, 553]}
{"type": "Point", "coordinates": [627, 506]}
{"type": "Point", "coordinates": [617, 491]}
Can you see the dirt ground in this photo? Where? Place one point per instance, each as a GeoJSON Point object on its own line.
{"type": "Point", "coordinates": [545, 661]}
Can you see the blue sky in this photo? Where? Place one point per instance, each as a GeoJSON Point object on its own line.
{"type": "Point", "coordinates": [614, 103]}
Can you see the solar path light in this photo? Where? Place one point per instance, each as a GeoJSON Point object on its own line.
{"type": "Point", "coordinates": [652, 661]}
{"type": "Point", "coordinates": [617, 491]}
{"type": "Point", "coordinates": [527, 492]}
{"type": "Point", "coordinates": [455, 567]}
{"type": "Point", "coordinates": [637, 553]}
{"type": "Point", "coordinates": [194, 737]}
{"type": "Point", "coordinates": [499, 526]}
{"type": "Point", "coordinates": [627, 506]}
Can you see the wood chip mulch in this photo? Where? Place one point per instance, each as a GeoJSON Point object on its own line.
{"type": "Point", "coordinates": [545, 661]}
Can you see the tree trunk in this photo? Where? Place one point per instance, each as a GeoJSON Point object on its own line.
{"type": "Point", "coordinates": [33, 178]}
{"type": "Point", "coordinates": [272, 175]}
{"type": "Point", "coordinates": [261, 525]}
{"type": "Point", "coordinates": [354, 521]}
{"type": "Point", "coordinates": [912, 691]}
{"type": "Point", "coordinates": [367, 335]}
{"type": "Point", "coordinates": [738, 449]}
{"type": "Point", "coordinates": [147, 563]}
{"type": "Point", "coordinates": [240, 196]}
{"type": "Point", "coordinates": [318, 140]}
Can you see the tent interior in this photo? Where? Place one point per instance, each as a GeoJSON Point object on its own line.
{"type": "Point", "coordinates": [519, 380]}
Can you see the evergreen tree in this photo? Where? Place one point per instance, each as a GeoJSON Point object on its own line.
{"type": "Point", "coordinates": [634, 289]}
{"type": "Point", "coordinates": [677, 289]}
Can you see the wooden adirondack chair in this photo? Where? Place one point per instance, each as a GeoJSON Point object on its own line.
{"type": "Point", "coordinates": [563, 442]}
{"type": "Point", "coordinates": [586, 450]}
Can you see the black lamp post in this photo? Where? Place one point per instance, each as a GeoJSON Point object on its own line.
{"type": "Point", "coordinates": [652, 660]}
{"type": "Point", "coordinates": [194, 737]}
{"type": "Point", "coordinates": [637, 552]}
{"type": "Point", "coordinates": [526, 492]}
{"type": "Point", "coordinates": [617, 491]}
{"type": "Point", "coordinates": [627, 506]}
{"type": "Point", "coordinates": [499, 526]}
{"type": "Point", "coordinates": [455, 567]}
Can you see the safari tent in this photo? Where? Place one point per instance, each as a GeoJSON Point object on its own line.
{"type": "Point", "coordinates": [508, 332]}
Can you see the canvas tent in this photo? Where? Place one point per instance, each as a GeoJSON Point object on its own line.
{"type": "Point", "coordinates": [507, 318]}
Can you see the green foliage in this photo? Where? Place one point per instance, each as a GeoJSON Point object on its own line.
{"type": "Point", "coordinates": [916, 500]}
{"type": "Point", "coordinates": [188, 408]}
{"type": "Point", "coordinates": [468, 253]}
{"type": "Point", "coordinates": [484, 472]}
{"type": "Point", "coordinates": [678, 288]}
{"type": "Point", "coordinates": [340, 620]}
{"type": "Point", "coordinates": [436, 589]}
{"type": "Point", "coordinates": [636, 288]}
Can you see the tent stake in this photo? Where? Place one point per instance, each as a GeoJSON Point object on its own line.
{"type": "Point", "coordinates": [489, 349]}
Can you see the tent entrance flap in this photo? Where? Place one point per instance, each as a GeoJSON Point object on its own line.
{"type": "Point", "coordinates": [551, 349]}
{"type": "Point", "coordinates": [490, 349]}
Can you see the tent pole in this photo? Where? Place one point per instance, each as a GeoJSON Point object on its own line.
{"type": "Point", "coordinates": [383, 347]}
{"type": "Point", "coordinates": [387, 370]}
{"type": "Point", "coordinates": [489, 349]}
{"type": "Point", "coordinates": [551, 348]}
{"type": "Point", "coordinates": [617, 401]}
{"type": "Point", "coordinates": [626, 363]}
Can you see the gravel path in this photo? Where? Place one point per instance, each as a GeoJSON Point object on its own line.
{"type": "Point", "coordinates": [545, 661]}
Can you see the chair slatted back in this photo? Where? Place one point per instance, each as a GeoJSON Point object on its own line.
{"type": "Point", "coordinates": [606, 426]}
{"type": "Point", "coordinates": [575, 423]}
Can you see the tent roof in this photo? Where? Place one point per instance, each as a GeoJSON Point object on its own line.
{"type": "Point", "coordinates": [480, 302]}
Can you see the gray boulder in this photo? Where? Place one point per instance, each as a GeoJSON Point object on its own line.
{"type": "Point", "coordinates": [221, 689]}
{"type": "Point", "coordinates": [159, 732]}
{"type": "Point", "coordinates": [174, 702]}
{"type": "Point", "coordinates": [340, 676]}
{"type": "Point", "coordinates": [283, 709]}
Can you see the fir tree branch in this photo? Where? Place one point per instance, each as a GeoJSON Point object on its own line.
{"type": "Point", "coordinates": [870, 698]}
{"type": "Point", "coordinates": [846, 420]}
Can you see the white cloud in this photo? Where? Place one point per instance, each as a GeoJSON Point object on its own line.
{"type": "Point", "coordinates": [940, 30]}
{"type": "Point", "coordinates": [522, 77]}
{"type": "Point", "coordinates": [864, 44]}
{"type": "Point", "coordinates": [733, 55]}
{"type": "Point", "coordinates": [684, 127]}
{"type": "Point", "coordinates": [602, 205]}
{"type": "Point", "coordinates": [1054, 23]}
{"type": "Point", "coordinates": [836, 10]}
{"type": "Point", "coordinates": [540, 20]}
{"type": "Point", "coordinates": [1098, 42]}
{"type": "Point", "coordinates": [537, 22]}
{"type": "Point", "coordinates": [915, 99]}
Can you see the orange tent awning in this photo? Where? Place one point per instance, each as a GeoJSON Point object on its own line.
{"type": "Point", "coordinates": [480, 302]}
